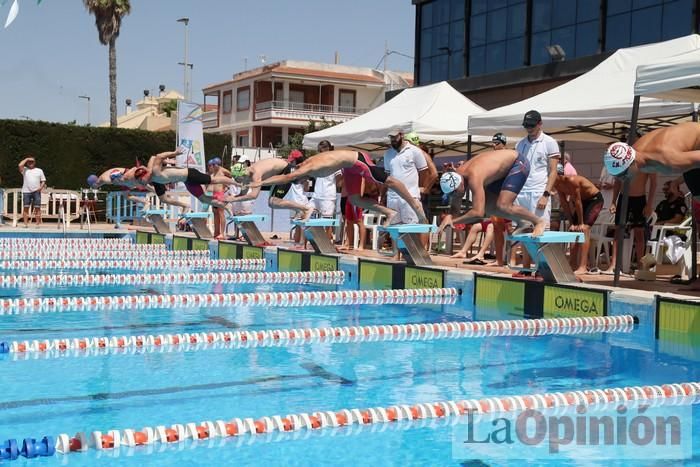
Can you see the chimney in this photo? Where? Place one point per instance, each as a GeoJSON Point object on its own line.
{"type": "Point", "coordinates": [146, 92]}
{"type": "Point", "coordinates": [162, 90]}
{"type": "Point", "coordinates": [337, 58]}
{"type": "Point", "coordinates": [128, 106]}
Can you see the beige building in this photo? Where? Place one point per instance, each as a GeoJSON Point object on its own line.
{"type": "Point", "coordinates": [266, 105]}
{"type": "Point", "coordinates": [150, 113]}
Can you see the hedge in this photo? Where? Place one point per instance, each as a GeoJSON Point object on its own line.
{"type": "Point", "coordinates": [69, 153]}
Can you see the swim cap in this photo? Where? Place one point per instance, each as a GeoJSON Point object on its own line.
{"type": "Point", "coordinates": [214, 161]}
{"type": "Point", "coordinates": [618, 158]}
{"type": "Point", "coordinates": [499, 138]}
{"type": "Point", "coordinates": [413, 138]}
{"type": "Point", "coordinates": [294, 155]}
{"type": "Point", "coordinates": [449, 182]}
{"type": "Point", "coordinates": [560, 169]}
{"type": "Point", "coordinates": [92, 180]}
{"type": "Point", "coordinates": [116, 175]}
{"type": "Point", "coordinates": [239, 170]}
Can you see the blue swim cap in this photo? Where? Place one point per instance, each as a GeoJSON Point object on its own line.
{"type": "Point", "coordinates": [214, 161]}
{"type": "Point", "coordinates": [92, 180]}
{"type": "Point", "coordinates": [116, 176]}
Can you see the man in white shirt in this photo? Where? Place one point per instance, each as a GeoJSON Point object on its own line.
{"type": "Point", "coordinates": [34, 182]}
{"type": "Point", "coordinates": [542, 151]}
{"type": "Point", "coordinates": [403, 161]}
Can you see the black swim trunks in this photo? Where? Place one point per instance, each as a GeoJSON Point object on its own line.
{"type": "Point", "coordinates": [280, 191]}
{"type": "Point", "coordinates": [516, 178]}
{"type": "Point", "coordinates": [635, 211]}
{"type": "Point", "coordinates": [692, 180]}
{"type": "Point", "coordinates": [159, 188]}
{"type": "Point", "coordinates": [591, 209]}
{"type": "Point", "coordinates": [195, 177]}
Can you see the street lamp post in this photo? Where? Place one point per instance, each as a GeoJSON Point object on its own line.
{"type": "Point", "coordinates": [186, 64]}
{"type": "Point", "coordinates": [87, 98]}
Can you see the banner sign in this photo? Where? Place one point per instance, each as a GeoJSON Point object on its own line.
{"type": "Point", "coordinates": [573, 302]}
{"type": "Point", "coordinates": [190, 135]}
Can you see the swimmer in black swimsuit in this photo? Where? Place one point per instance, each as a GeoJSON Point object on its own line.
{"type": "Point", "coordinates": [494, 178]}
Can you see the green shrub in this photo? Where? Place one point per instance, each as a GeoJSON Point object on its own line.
{"type": "Point", "coordinates": [69, 153]}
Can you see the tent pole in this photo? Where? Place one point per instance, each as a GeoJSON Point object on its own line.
{"type": "Point", "coordinates": [694, 227]}
{"type": "Point", "coordinates": [469, 147]}
{"type": "Point", "coordinates": [620, 227]}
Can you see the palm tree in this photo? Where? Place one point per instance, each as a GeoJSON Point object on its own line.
{"type": "Point", "coordinates": [108, 19]}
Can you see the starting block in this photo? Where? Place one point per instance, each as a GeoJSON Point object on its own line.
{"type": "Point", "coordinates": [246, 225]}
{"type": "Point", "coordinates": [315, 233]}
{"type": "Point", "coordinates": [547, 252]}
{"type": "Point", "coordinates": [198, 222]}
{"type": "Point", "coordinates": [157, 218]}
{"type": "Point", "coordinates": [406, 237]}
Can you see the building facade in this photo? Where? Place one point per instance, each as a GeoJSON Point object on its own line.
{"type": "Point", "coordinates": [500, 51]}
{"type": "Point", "coordinates": [266, 105]}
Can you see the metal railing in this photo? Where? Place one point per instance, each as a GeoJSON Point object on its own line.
{"type": "Point", "coordinates": [56, 204]}
{"type": "Point", "coordinates": [307, 107]}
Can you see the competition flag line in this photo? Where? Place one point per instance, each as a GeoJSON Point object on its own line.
{"type": "Point", "coordinates": [36, 280]}
{"type": "Point", "coordinates": [667, 394]}
{"type": "Point", "coordinates": [10, 306]}
{"type": "Point", "coordinates": [76, 254]}
{"type": "Point", "coordinates": [136, 264]}
{"type": "Point", "coordinates": [291, 337]}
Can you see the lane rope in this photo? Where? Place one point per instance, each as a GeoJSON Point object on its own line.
{"type": "Point", "coordinates": [206, 340]}
{"type": "Point", "coordinates": [667, 394]}
{"type": "Point", "coordinates": [75, 254]}
{"type": "Point", "coordinates": [9, 306]}
{"type": "Point", "coordinates": [36, 280]}
{"type": "Point", "coordinates": [136, 265]}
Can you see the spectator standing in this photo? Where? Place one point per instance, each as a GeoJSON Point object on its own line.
{"type": "Point", "coordinates": [218, 193]}
{"type": "Point", "coordinates": [403, 161]}
{"type": "Point", "coordinates": [606, 185]}
{"type": "Point", "coordinates": [325, 193]}
{"type": "Point", "coordinates": [34, 181]}
{"type": "Point", "coordinates": [542, 151]}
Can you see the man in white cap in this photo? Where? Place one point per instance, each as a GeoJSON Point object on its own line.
{"type": "Point", "coordinates": [542, 151]}
{"type": "Point", "coordinates": [494, 178]}
{"type": "Point", "coordinates": [403, 161]}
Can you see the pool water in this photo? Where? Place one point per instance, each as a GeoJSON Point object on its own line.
{"type": "Point", "coordinates": [117, 390]}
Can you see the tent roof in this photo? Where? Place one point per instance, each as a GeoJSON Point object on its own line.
{"type": "Point", "coordinates": [437, 113]}
{"type": "Point", "coordinates": [676, 79]}
{"type": "Point", "coordinates": [596, 105]}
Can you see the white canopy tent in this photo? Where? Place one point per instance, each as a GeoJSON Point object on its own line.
{"type": "Point", "coordinates": [595, 106]}
{"type": "Point", "coordinates": [438, 113]}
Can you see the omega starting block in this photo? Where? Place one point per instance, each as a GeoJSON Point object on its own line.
{"type": "Point", "coordinates": [246, 226]}
{"type": "Point", "coordinates": [315, 233]}
{"type": "Point", "coordinates": [406, 237]}
{"type": "Point", "coordinates": [547, 252]}
{"type": "Point", "coordinates": [198, 222]}
{"type": "Point", "coordinates": [157, 218]}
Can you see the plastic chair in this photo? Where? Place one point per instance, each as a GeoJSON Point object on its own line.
{"type": "Point", "coordinates": [659, 232]}
{"type": "Point", "coordinates": [599, 234]}
{"type": "Point", "coordinates": [372, 223]}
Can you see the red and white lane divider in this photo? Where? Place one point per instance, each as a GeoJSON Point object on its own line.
{"type": "Point", "coordinates": [26, 241]}
{"type": "Point", "coordinates": [75, 254]}
{"type": "Point", "coordinates": [136, 264]}
{"type": "Point", "coordinates": [37, 280]}
{"type": "Point", "coordinates": [63, 247]}
{"type": "Point", "coordinates": [315, 298]}
{"type": "Point", "coordinates": [353, 334]}
{"type": "Point", "coordinates": [654, 395]}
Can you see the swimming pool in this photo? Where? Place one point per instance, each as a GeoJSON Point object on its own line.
{"type": "Point", "coordinates": [356, 363]}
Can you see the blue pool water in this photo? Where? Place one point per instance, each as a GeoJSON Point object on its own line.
{"type": "Point", "coordinates": [43, 396]}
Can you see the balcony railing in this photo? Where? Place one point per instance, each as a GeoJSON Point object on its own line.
{"type": "Point", "coordinates": [303, 110]}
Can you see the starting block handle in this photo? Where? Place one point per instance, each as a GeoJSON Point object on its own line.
{"type": "Point", "coordinates": [249, 218]}
{"type": "Point", "coordinates": [316, 222]}
{"type": "Point", "coordinates": [549, 237]}
{"type": "Point", "coordinates": [196, 215]}
{"type": "Point", "coordinates": [155, 212]}
{"type": "Point", "coordinates": [409, 229]}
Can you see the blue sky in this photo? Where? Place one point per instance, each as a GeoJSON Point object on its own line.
{"type": "Point", "coordinates": [51, 54]}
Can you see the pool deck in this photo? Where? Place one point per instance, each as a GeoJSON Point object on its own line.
{"type": "Point", "coordinates": [660, 285]}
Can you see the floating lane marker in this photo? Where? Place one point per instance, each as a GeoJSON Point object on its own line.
{"type": "Point", "coordinates": [69, 241]}
{"type": "Point", "coordinates": [42, 247]}
{"type": "Point", "coordinates": [36, 280]}
{"type": "Point", "coordinates": [198, 263]}
{"type": "Point", "coordinates": [75, 254]}
{"type": "Point", "coordinates": [58, 348]}
{"type": "Point", "coordinates": [10, 306]}
{"type": "Point", "coordinates": [667, 394]}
